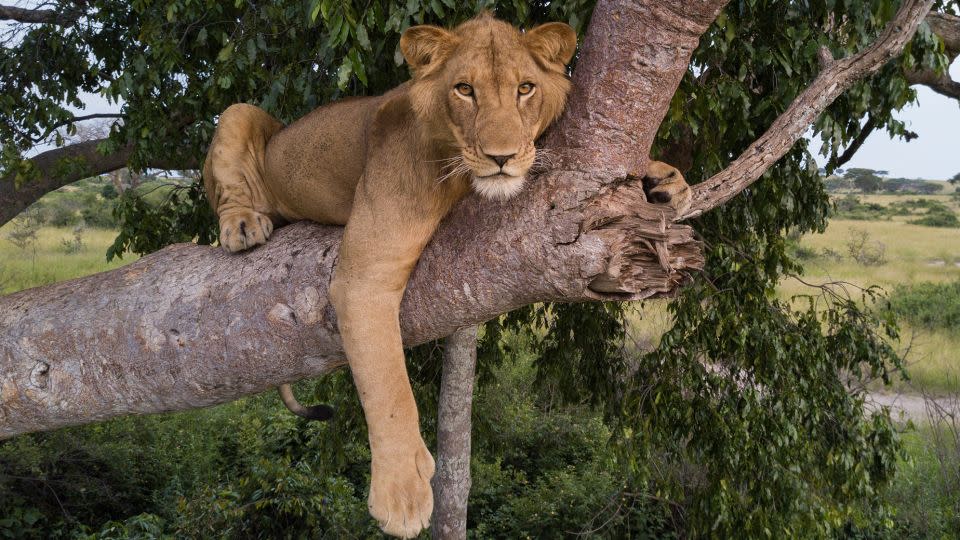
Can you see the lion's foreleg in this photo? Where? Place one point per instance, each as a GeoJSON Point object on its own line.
{"type": "Point", "coordinates": [381, 244]}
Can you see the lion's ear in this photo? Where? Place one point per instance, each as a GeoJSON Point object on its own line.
{"type": "Point", "coordinates": [425, 47]}
{"type": "Point", "coordinates": [552, 43]}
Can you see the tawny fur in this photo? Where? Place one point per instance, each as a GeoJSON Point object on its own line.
{"type": "Point", "coordinates": [389, 168]}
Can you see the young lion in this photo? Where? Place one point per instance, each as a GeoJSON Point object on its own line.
{"type": "Point", "coordinates": [390, 168]}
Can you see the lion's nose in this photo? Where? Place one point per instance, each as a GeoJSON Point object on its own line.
{"type": "Point", "coordinates": [500, 160]}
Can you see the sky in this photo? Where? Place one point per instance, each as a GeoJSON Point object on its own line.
{"type": "Point", "coordinates": [934, 155]}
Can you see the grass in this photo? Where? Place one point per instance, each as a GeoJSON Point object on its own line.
{"type": "Point", "coordinates": [48, 262]}
{"type": "Point", "coordinates": [914, 254]}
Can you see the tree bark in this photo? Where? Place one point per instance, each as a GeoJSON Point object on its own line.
{"type": "Point", "coordinates": [38, 16]}
{"type": "Point", "coordinates": [451, 484]}
{"type": "Point", "coordinates": [192, 326]}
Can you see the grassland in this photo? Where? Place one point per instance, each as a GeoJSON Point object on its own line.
{"type": "Point", "coordinates": [913, 254]}
{"type": "Point", "coordinates": [47, 260]}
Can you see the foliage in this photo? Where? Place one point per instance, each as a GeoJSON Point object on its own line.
{"type": "Point", "coordinates": [75, 244]}
{"type": "Point", "coordinates": [183, 215]}
{"type": "Point", "coordinates": [930, 305]}
{"type": "Point", "coordinates": [250, 469]}
{"type": "Point", "coordinates": [938, 218]}
{"type": "Point", "coordinates": [905, 185]}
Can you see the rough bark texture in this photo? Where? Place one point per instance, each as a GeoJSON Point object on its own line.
{"type": "Point", "coordinates": [451, 484]}
{"type": "Point", "coordinates": [191, 326]}
{"type": "Point", "coordinates": [61, 166]}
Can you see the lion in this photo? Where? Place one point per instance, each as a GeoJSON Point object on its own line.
{"type": "Point", "coordinates": [390, 168]}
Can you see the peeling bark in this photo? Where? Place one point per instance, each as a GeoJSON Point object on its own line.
{"type": "Point", "coordinates": [192, 326]}
{"type": "Point", "coordinates": [451, 484]}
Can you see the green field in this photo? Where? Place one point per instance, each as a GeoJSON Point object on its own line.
{"type": "Point", "coordinates": [913, 254]}
{"type": "Point", "coordinates": [47, 260]}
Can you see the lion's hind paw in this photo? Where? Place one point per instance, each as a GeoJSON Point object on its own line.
{"type": "Point", "coordinates": [244, 229]}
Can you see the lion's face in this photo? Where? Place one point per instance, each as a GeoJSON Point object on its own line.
{"type": "Point", "coordinates": [488, 91]}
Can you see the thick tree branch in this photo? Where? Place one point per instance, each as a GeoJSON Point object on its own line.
{"type": "Point", "coordinates": [191, 326]}
{"type": "Point", "coordinates": [64, 165]}
{"type": "Point", "coordinates": [38, 16]}
{"type": "Point", "coordinates": [832, 81]}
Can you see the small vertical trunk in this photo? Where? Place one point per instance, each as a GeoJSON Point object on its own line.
{"type": "Point", "coordinates": [451, 484]}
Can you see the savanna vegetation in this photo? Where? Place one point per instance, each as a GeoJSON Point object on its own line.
{"type": "Point", "coordinates": [738, 409]}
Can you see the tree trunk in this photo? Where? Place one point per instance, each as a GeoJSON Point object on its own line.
{"type": "Point", "coordinates": [192, 326]}
{"type": "Point", "coordinates": [451, 484]}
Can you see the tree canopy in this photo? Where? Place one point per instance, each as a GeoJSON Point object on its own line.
{"type": "Point", "coordinates": [760, 398]}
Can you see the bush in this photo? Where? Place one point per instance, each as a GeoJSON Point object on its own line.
{"type": "Point", "coordinates": [75, 244]}
{"type": "Point", "coordinates": [938, 218]}
{"type": "Point", "coordinates": [931, 305]}
{"type": "Point", "coordinates": [100, 215]}
{"type": "Point", "coordinates": [865, 251]}
{"type": "Point", "coordinates": [850, 207]}
{"type": "Point", "coordinates": [61, 215]}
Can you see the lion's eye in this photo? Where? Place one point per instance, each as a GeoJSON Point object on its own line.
{"type": "Point", "coordinates": [464, 89]}
{"type": "Point", "coordinates": [525, 89]}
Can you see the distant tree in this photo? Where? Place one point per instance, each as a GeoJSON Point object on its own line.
{"type": "Point", "coordinates": [956, 179]}
{"type": "Point", "coordinates": [929, 188]}
{"type": "Point", "coordinates": [894, 185]}
{"type": "Point", "coordinates": [866, 180]}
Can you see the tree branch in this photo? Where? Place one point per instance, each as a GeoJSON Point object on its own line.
{"type": "Point", "coordinates": [38, 16]}
{"type": "Point", "coordinates": [192, 326]}
{"type": "Point", "coordinates": [74, 120]}
{"type": "Point", "coordinates": [84, 160]}
{"type": "Point", "coordinates": [947, 28]}
{"type": "Point", "coordinates": [855, 144]}
{"type": "Point", "coordinates": [832, 81]}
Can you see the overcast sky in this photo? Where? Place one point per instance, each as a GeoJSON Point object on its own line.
{"type": "Point", "coordinates": [935, 154]}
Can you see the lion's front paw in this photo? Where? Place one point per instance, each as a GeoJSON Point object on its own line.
{"type": "Point", "coordinates": [401, 499]}
{"type": "Point", "coordinates": [664, 184]}
{"type": "Point", "coordinates": [243, 229]}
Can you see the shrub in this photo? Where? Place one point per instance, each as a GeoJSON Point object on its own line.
{"type": "Point", "coordinates": [850, 207]}
{"type": "Point", "coordinates": [100, 215]}
{"type": "Point", "coordinates": [865, 251]}
{"type": "Point", "coordinates": [75, 244]}
{"type": "Point", "coordinates": [938, 218]}
{"type": "Point", "coordinates": [931, 305]}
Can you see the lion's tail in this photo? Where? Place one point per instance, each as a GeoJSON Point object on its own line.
{"type": "Point", "coordinates": [314, 412]}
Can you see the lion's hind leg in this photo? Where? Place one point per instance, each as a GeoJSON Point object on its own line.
{"type": "Point", "coordinates": [233, 176]}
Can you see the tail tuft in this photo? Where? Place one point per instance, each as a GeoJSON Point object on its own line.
{"type": "Point", "coordinates": [313, 412]}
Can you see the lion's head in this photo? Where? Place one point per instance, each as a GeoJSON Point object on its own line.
{"type": "Point", "coordinates": [488, 91]}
